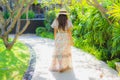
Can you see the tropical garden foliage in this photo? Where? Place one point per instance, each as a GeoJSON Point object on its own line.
{"type": "Point", "coordinates": [96, 27]}
{"type": "Point", "coordinates": [93, 33]}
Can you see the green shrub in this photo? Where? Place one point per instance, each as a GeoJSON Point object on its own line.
{"type": "Point", "coordinates": [31, 15]}
{"type": "Point", "coordinates": [6, 15]}
{"type": "Point", "coordinates": [39, 30]}
{"type": "Point", "coordinates": [47, 35]}
{"type": "Point", "coordinates": [43, 32]}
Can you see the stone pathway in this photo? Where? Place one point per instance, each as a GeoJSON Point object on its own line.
{"type": "Point", "coordinates": [85, 66]}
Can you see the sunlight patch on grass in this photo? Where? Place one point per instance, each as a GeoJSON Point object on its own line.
{"type": "Point", "coordinates": [13, 63]}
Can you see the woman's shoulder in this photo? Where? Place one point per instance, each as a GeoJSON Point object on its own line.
{"type": "Point", "coordinates": [55, 23]}
{"type": "Point", "coordinates": [55, 20]}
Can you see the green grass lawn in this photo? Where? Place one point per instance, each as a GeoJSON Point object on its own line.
{"type": "Point", "coordinates": [13, 63]}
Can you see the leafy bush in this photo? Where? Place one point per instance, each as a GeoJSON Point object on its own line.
{"type": "Point", "coordinates": [42, 32]}
{"type": "Point", "coordinates": [39, 30]}
{"type": "Point", "coordinates": [31, 15]}
{"type": "Point", "coordinates": [6, 15]}
{"type": "Point", "coordinates": [47, 35]}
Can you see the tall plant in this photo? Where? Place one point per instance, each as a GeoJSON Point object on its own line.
{"type": "Point", "coordinates": [114, 12]}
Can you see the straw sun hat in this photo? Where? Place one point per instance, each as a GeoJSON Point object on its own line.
{"type": "Point", "coordinates": [63, 11]}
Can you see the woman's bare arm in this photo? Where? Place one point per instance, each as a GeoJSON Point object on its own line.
{"type": "Point", "coordinates": [55, 31]}
{"type": "Point", "coordinates": [70, 35]}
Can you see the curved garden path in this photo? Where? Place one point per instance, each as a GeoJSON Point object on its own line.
{"type": "Point", "coordinates": [85, 66]}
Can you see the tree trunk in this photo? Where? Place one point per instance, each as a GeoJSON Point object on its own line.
{"type": "Point", "coordinates": [7, 25]}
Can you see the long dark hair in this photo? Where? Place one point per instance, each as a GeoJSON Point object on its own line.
{"type": "Point", "coordinates": [62, 21]}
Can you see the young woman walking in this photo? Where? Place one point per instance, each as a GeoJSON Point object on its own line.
{"type": "Point", "coordinates": [61, 59]}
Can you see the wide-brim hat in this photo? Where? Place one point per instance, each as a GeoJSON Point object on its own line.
{"type": "Point", "coordinates": [63, 11]}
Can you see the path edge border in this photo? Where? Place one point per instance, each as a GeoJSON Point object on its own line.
{"type": "Point", "coordinates": [31, 67]}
